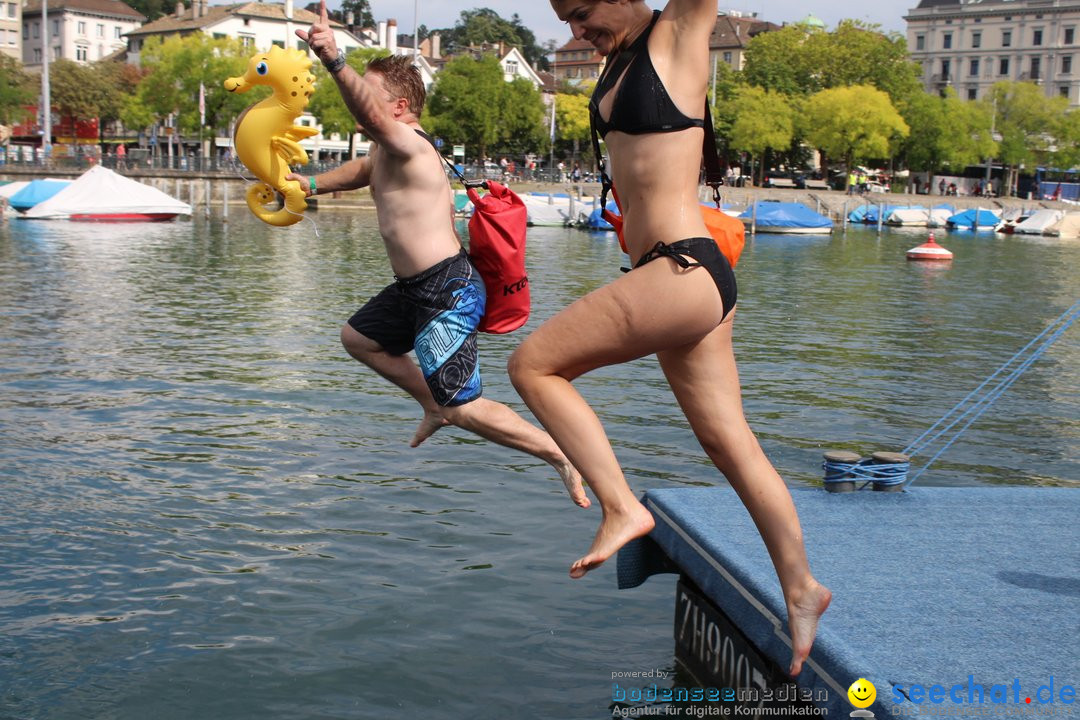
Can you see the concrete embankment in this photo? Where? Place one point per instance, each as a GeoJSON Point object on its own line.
{"type": "Point", "coordinates": [216, 188]}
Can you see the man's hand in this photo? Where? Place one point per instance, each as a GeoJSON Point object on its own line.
{"type": "Point", "coordinates": [320, 38]}
{"type": "Point", "coordinates": [305, 183]}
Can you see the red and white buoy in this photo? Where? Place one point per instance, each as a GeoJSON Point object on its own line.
{"type": "Point", "coordinates": [929, 250]}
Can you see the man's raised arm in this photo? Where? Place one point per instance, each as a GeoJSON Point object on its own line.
{"type": "Point", "coordinates": [366, 105]}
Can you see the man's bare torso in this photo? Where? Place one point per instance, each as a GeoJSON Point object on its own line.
{"type": "Point", "coordinates": [415, 207]}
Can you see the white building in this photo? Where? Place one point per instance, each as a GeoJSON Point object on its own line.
{"type": "Point", "coordinates": [258, 25]}
{"type": "Point", "coordinates": [79, 30]}
{"type": "Point", "coordinates": [11, 28]}
{"type": "Point", "coordinates": [971, 44]}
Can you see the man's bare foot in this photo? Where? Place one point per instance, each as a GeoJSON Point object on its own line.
{"type": "Point", "coordinates": [572, 480]}
{"type": "Point", "coordinates": [432, 421]}
{"type": "Point", "coordinates": [803, 615]}
{"type": "Point", "coordinates": [616, 529]}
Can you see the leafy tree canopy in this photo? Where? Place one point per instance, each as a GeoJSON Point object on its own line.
{"type": "Point", "coordinates": [484, 25]}
{"type": "Point", "coordinates": [800, 60]}
{"type": "Point", "coordinates": [471, 103]}
{"type": "Point", "coordinates": [854, 123]}
{"type": "Point", "coordinates": [17, 89]}
{"type": "Point", "coordinates": [174, 70]}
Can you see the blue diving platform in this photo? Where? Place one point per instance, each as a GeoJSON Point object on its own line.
{"type": "Point", "coordinates": [941, 596]}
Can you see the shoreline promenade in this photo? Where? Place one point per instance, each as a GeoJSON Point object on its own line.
{"type": "Point", "coordinates": [196, 188]}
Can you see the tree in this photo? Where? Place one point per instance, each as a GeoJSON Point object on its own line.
{"type": "Point", "coordinates": [152, 9]}
{"type": "Point", "coordinates": [780, 60]}
{"type": "Point", "coordinates": [853, 123]}
{"type": "Point", "coordinates": [946, 131]}
{"type": "Point", "coordinates": [1026, 119]}
{"type": "Point", "coordinates": [74, 92]}
{"type": "Point", "coordinates": [462, 105]}
{"type": "Point", "coordinates": [483, 25]}
{"type": "Point", "coordinates": [326, 103]}
{"type": "Point", "coordinates": [572, 120]}
{"type": "Point", "coordinates": [801, 60]}
{"type": "Point", "coordinates": [520, 115]}
{"type": "Point", "coordinates": [1068, 141]}
{"type": "Point", "coordinates": [763, 121]}
{"type": "Point", "coordinates": [175, 69]}
{"type": "Point", "coordinates": [17, 90]}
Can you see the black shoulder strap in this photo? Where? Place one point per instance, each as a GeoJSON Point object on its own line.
{"type": "Point", "coordinates": [466, 183]}
{"type": "Point", "coordinates": [714, 171]}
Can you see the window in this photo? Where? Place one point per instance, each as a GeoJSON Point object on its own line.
{"type": "Point", "coordinates": [1003, 66]}
{"type": "Point", "coordinates": [12, 10]}
{"type": "Point", "coordinates": [727, 57]}
{"type": "Point", "coordinates": [279, 43]}
{"type": "Point", "coordinates": [25, 32]}
{"type": "Point", "coordinates": [1066, 64]}
{"type": "Point", "coordinates": [1064, 90]}
{"type": "Point", "coordinates": [973, 94]}
{"type": "Point", "coordinates": [1036, 67]}
{"type": "Point", "coordinates": [81, 28]}
{"type": "Point", "coordinates": [920, 42]}
{"type": "Point", "coordinates": [247, 40]}
{"type": "Point", "coordinates": [80, 53]}
{"type": "Point", "coordinates": [973, 71]}
{"type": "Point", "coordinates": [100, 30]}
{"type": "Point", "coordinates": [118, 33]}
{"type": "Point", "coordinates": [946, 66]}
{"type": "Point", "coordinates": [37, 31]}
{"type": "Point", "coordinates": [976, 40]}
{"type": "Point", "coordinates": [1036, 37]}
{"type": "Point", "coordinates": [946, 41]}
{"type": "Point", "coordinates": [37, 55]}
{"type": "Point", "coordinates": [1006, 38]}
{"type": "Point", "coordinates": [511, 68]}
{"type": "Point", "coordinates": [55, 28]}
{"type": "Point", "coordinates": [1070, 36]}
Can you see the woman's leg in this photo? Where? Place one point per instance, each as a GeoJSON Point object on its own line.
{"type": "Point", "coordinates": [627, 319]}
{"type": "Point", "coordinates": [705, 381]}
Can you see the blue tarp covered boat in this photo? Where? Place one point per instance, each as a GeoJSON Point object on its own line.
{"type": "Point", "coordinates": [596, 222]}
{"type": "Point", "coordinates": [966, 220]}
{"type": "Point", "coordinates": [37, 191]}
{"type": "Point", "coordinates": [787, 218]}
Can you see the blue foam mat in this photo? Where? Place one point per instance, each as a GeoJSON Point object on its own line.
{"type": "Point", "coordinates": [930, 586]}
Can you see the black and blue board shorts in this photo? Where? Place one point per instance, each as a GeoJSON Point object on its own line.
{"type": "Point", "coordinates": [435, 313]}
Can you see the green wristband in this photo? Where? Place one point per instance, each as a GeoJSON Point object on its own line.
{"type": "Point", "coordinates": [311, 181]}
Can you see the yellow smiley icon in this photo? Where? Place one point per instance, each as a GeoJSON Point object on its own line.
{"type": "Point", "coordinates": [862, 693]}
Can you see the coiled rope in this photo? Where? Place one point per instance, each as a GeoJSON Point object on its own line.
{"type": "Point", "coordinates": [841, 467]}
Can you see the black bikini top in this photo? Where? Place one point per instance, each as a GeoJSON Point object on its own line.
{"type": "Point", "coordinates": [642, 104]}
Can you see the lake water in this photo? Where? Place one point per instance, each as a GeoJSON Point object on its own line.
{"type": "Point", "coordinates": [209, 510]}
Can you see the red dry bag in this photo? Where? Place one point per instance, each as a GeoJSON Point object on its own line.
{"type": "Point", "coordinates": [497, 249]}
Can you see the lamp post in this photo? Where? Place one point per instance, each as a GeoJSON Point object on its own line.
{"type": "Point", "coordinates": [46, 99]}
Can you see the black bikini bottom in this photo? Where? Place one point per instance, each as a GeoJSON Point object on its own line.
{"type": "Point", "coordinates": [708, 256]}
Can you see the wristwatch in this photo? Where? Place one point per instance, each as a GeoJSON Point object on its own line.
{"type": "Point", "coordinates": [336, 64]}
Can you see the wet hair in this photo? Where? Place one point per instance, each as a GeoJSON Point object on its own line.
{"type": "Point", "coordinates": [401, 78]}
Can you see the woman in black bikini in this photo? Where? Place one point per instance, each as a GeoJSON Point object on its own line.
{"type": "Point", "coordinates": [678, 302]}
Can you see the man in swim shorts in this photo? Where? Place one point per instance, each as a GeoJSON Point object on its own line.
{"type": "Point", "coordinates": [437, 300]}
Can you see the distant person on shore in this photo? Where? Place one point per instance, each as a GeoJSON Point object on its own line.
{"type": "Point", "coordinates": [677, 302]}
{"type": "Point", "coordinates": [121, 157]}
{"type": "Point", "coordinates": [437, 300]}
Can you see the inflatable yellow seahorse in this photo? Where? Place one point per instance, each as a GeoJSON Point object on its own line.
{"type": "Point", "coordinates": [266, 140]}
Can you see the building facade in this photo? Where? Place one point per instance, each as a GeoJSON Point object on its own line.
{"type": "Point", "coordinates": [256, 24]}
{"type": "Point", "coordinates": [731, 34]}
{"type": "Point", "coordinates": [969, 45]}
{"type": "Point", "coordinates": [11, 28]}
{"type": "Point", "coordinates": [81, 30]}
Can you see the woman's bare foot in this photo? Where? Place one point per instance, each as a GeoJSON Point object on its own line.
{"type": "Point", "coordinates": [572, 480]}
{"type": "Point", "coordinates": [803, 614]}
{"type": "Point", "coordinates": [432, 421]}
{"type": "Point", "coordinates": [616, 529]}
